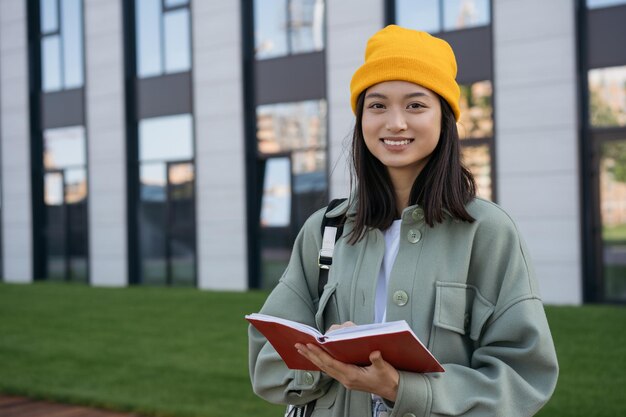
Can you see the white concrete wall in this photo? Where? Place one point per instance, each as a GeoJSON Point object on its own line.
{"type": "Point", "coordinates": [106, 136]}
{"type": "Point", "coordinates": [15, 143]}
{"type": "Point", "coordinates": [350, 23]}
{"type": "Point", "coordinates": [220, 150]}
{"type": "Point", "coordinates": [536, 137]}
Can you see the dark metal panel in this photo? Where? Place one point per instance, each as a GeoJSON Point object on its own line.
{"type": "Point", "coordinates": [164, 95]}
{"type": "Point", "coordinates": [63, 108]}
{"type": "Point", "coordinates": [252, 167]}
{"type": "Point", "coordinates": [291, 78]}
{"type": "Point", "coordinates": [473, 50]}
{"type": "Point", "coordinates": [606, 37]}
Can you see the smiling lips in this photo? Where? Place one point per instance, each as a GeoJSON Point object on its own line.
{"type": "Point", "coordinates": [396, 143]}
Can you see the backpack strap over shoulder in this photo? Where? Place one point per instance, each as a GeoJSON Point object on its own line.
{"type": "Point", "coordinates": [331, 230]}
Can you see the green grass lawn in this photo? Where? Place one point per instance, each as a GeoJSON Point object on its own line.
{"type": "Point", "coordinates": [183, 352]}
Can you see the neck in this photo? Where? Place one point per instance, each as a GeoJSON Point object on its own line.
{"type": "Point", "coordinates": [402, 182]}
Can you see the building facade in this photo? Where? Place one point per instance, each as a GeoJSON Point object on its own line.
{"type": "Point", "coordinates": [184, 143]}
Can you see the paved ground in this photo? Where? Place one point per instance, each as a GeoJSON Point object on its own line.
{"type": "Point", "coordinates": [11, 406]}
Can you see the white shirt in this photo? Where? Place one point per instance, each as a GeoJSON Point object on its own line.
{"type": "Point", "coordinates": [392, 243]}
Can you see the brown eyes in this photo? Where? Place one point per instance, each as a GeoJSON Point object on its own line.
{"type": "Point", "coordinates": [380, 106]}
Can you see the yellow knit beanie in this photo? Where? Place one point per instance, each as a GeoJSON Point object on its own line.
{"type": "Point", "coordinates": [396, 53]}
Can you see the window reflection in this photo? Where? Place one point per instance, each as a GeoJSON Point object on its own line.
{"type": "Point", "coordinates": [166, 217]}
{"type": "Point", "coordinates": [147, 15]}
{"type": "Point", "coordinates": [53, 189]}
{"type": "Point", "coordinates": [61, 47]}
{"type": "Point", "coordinates": [64, 147]}
{"type": "Point", "coordinates": [177, 48]}
{"type": "Point", "coordinates": [613, 217]}
{"type": "Point", "coordinates": [276, 205]}
{"type": "Point", "coordinates": [594, 4]}
{"type": "Point", "coordinates": [49, 19]}
{"type": "Point", "coordinates": [75, 185]}
{"type": "Point", "coordinates": [166, 138]}
{"type": "Point", "coordinates": [306, 25]}
{"type": "Point", "coordinates": [270, 23]}
{"type": "Point", "coordinates": [442, 15]}
{"type": "Point", "coordinates": [607, 96]}
{"type": "Point", "coordinates": [424, 15]}
{"type": "Point", "coordinates": [291, 126]}
{"type": "Point", "coordinates": [51, 63]}
{"type": "Point", "coordinates": [71, 19]}
{"type": "Point", "coordinates": [174, 3]}
{"type": "Point", "coordinates": [461, 14]}
{"type": "Point", "coordinates": [153, 182]}
{"type": "Point", "coordinates": [181, 178]}
{"type": "Point", "coordinates": [65, 204]}
{"type": "Point", "coordinates": [284, 27]}
{"type": "Point", "coordinates": [478, 160]}
{"type": "Point", "coordinates": [476, 119]}
{"type": "Point", "coordinates": [163, 37]}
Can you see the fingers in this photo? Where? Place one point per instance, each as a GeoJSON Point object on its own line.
{"type": "Point", "coordinates": [323, 360]}
{"type": "Point", "coordinates": [341, 326]}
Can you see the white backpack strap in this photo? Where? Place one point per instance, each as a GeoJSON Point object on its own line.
{"type": "Point", "coordinates": [325, 258]}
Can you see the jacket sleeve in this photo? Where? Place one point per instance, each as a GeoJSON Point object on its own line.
{"type": "Point", "coordinates": [513, 366]}
{"type": "Point", "coordinates": [293, 298]}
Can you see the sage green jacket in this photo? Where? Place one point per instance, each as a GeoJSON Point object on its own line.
{"type": "Point", "coordinates": [467, 290]}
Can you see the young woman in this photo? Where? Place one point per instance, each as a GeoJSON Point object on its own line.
{"type": "Point", "coordinates": [417, 245]}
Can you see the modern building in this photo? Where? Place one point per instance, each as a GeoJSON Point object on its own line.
{"type": "Point", "coordinates": [184, 142]}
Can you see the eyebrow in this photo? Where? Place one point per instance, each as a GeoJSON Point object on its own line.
{"type": "Point", "coordinates": [384, 97]}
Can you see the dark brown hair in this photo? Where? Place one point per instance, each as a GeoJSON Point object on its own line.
{"type": "Point", "coordinates": [443, 184]}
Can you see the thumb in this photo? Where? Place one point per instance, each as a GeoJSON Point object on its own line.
{"type": "Point", "coordinates": [376, 358]}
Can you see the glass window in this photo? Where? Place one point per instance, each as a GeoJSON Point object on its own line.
{"type": "Point", "coordinates": [291, 126]}
{"type": "Point", "coordinates": [72, 31]}
{"type": "Point", "coordinates": [182, 223]}
{"type": "Point", "coordinates": [53, 189]}
{"type": "Point", "coordinates": [147, 19]}
{"type": "Point", "coordinates": [51, 63]}
{"type": "Point", "coordinates": [61, 47]}
{"type": "Point", "coordinates": [284, 27]}
{"type": "Point", "coordinates": [594, 4]}
{"type": "Point", "coordinates": [478, 160]}
{"type": "Point", "coordinates": [270, 23]}
{"type": "Point", "coordinates": [153, 181]}
{"type": "Point", "coordinates": [75, 185]}
{"type": "Point", "coordinates": [276, 205]}
{"type": "Point", "coordinates": [49, 18]}
{"type": "Point", "coordinates": [64, 147]}
{"type": "Point", "coordinates": [460, 14]}
{"type": "Point", "coordinates": [306, 25]}
{"type": "Point", "coordinates": [423, 15]}
{"type": "Point", "coordinates": [163, 37]}
{"type": "Point", "coordinates": [613, 217]}
{"type": "Point", "coordinates": [166, 138]}
{"type": "Point", "coordinates": [177, 38]}
{"type": "Point", "coordinates": [476, 119]}
{"type": "Point", "coordinates": [175, 3]}
{"type": "Point", "coordinates": [607, 97]}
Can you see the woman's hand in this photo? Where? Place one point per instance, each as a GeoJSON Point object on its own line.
{"type": "Point", "coordinates": [379, 378]}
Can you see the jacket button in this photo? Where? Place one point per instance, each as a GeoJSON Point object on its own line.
{"type": "Point", "coordinates": [414, 236]}
{"type": "Point", "coordinates": [418, 214]}
{"type": "Point", "coordinates": [308, 378]}
{"type": "Point", "coordinates": [400, 297]}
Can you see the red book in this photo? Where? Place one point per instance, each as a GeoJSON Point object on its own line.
{"type": "Point", "coordinates": [395, 340]}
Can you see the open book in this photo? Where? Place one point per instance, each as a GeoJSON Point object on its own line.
{"type": "Point", "coordinates": [395, 340]}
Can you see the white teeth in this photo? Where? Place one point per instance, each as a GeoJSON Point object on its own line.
{"type": "Point", "coordinates": [396, 142]}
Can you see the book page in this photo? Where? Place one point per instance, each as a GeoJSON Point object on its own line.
{"type": "Point", "coordinates": [293, 324]}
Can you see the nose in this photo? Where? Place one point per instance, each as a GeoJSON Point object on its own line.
{"type": "Point", "coordinates": [396, 121]}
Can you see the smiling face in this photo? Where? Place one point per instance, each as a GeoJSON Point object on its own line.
{"type": "Point", "coordinates": [401, 125]}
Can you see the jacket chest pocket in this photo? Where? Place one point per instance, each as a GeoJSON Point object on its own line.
{"type": "Point", "coordinates": [327, 309]}
{"type": "Point", "coordinates": [461, 313]}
